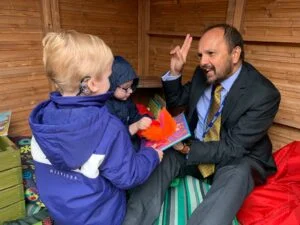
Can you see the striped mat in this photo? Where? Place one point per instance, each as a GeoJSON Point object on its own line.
{"type": "Point", "coordinates": [182, 200]}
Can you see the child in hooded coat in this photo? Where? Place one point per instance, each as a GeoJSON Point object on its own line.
{"type": "Point", "coordinates": [124, 82]}
{"type": "Point", "coordinates": [84, 159]}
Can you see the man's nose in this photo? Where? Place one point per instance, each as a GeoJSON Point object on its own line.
{"type": "Point", "coordinates": [203, 61]}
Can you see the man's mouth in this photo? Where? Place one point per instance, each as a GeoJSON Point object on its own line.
{"type": "Point", "coordinates": [208, 71]}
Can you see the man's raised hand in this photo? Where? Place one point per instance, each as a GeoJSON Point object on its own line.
{"type": "Point", "coordinates": [179, 54]}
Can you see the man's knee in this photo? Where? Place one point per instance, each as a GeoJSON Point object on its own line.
{"type": "Point", "coordinates": [238, 172]}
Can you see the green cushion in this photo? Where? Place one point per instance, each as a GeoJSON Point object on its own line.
{"type": "Point", "coordinates": [181, 200]}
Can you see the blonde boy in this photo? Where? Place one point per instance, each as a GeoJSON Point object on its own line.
{"type": "Point", "coordinates": [83, 156]}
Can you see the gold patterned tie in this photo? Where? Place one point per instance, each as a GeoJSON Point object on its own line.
{"type": "Point", "coordinates": [213, 134]}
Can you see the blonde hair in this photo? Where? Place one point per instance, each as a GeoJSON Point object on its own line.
{"type": "Point", "coordinates": [69, 56]}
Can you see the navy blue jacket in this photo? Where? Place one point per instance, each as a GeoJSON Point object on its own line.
{"type": "Point", "coordinates": [123, 72]}
{"type": "Point", "coordinates": [84, 160]}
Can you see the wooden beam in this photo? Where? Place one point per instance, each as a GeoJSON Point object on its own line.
{"type": "Point", "coordinates": [230, 12]}
{"type": "Point", "coordinates": [46, 16]}
{"type": "Point", "coordinates": [143, 37]}
{"type": "Point", "coordinates": [172, 34]}
{"type": "Point", "coordinates": [50, 15]}
{"type": "Point", "coordinates": [55, 15]}
{"type": "Point", "coordinates": [235, 13]}
{"type": "Point", "coordinates": [51, 21]}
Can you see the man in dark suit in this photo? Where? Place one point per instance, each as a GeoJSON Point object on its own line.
{"type": "Point", "coordinates": [241, 153]}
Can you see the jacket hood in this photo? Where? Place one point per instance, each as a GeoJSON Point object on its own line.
{"type": "Point", "coordinates": [65, 128]}
{"type": "Point", "coordinates": [122, 72]}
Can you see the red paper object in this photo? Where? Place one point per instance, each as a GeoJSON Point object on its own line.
{"type": "Point", "coordinates": [143, 110]}
{"type": "Point", "coordinates": [161, 128]}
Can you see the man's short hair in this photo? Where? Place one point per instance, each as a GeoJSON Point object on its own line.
{"type": "Point", "coordinates": [232, 36]}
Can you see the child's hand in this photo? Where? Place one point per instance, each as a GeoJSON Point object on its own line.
{"type": "Point", "coordinates": [182, 148]}
{"type": "Point", "coordinates": [160, 155]}
{"type": "Point", "coordinates": [144, 123]}
{"type": "Point", "coordinates": [159, 152]}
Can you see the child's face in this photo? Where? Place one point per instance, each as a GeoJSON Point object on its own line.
{"type": "Point", "coordinates": [124, 91]}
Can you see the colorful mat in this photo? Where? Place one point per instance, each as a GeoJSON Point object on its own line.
{"type": "Point", "coordinates": [181, 200]}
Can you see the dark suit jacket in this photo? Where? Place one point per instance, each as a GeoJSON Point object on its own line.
{"type": "Point", "coordinates": [249, 110]}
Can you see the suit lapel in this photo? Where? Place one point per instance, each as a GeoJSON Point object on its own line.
{"type": "Point", "coordinates": [236, 92]}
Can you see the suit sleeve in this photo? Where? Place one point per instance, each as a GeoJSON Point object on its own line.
{"type": "Point", "coordinates": [176, 94]}
{"type": "Point", "coordinates": [238, 140]}
{"type": "Point", "coordinates": [124, 167]}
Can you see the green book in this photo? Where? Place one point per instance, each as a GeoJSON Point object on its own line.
{"type": "Point", "coordinates": [4, 122]}
{"type": "Point", "coordinates": [154, 107]}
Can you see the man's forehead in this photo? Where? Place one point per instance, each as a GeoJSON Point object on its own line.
{"type": "Point", "coordinates": [212, 38]}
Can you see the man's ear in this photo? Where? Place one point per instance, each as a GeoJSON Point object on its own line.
{"type": "Point", "coordinates": [93, 84]}
{"type": "Point", "coordinates": [236, 54]}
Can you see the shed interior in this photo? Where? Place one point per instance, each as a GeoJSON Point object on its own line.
{"type": "Point", "coordinates": [143, 32]}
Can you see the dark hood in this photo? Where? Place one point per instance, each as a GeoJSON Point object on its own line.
{"type": "Point", "coordinates": [65, 128]}
{"type": "Point", "coordinates": [122, 72]}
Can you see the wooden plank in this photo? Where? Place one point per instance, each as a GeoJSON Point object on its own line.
{"type": "Point", "coordinates": [170, 21]}
{"type": "Point", "coordinates": [51, 16]}
{"type": "Point", "coordinates": [147, 39]}
{"type": "Point", "coordinates": [235, 13]}
{"type": "Point", "coordinates": [187, 16]}
{"type": "Point", "coordinates": [239, 14]}
{"type": "Point", "coordinates": [22, 77]}
{"type": "Point", "coordinates": [21, 5]}
{"type": "Point", "coordinates": [159, 60]}
{"type": "Point", "coordinates": [46, 16]}
{"type": "Point", "coordinates": [230, 11]}
{"type": "Point", "coordinates": [11, 195]}
{"type": "Point", "coordinates": [282, 135]}
{"type": "Point", "coordinates": [172, 34]}
{"type": "Point", "coordinates": [150, 82]}
{"type": "Point", "coordinates": [10, 177]}
{"type": "Point", "coordinates": [12, 212]}
{"type": "Point", "coordinates": [55, 15]}
{"type": "Point", "coordinates": [281, 64]}
{"type": "Point", "coordinates": [272, 21]}
{"type": "Point", "coordinates": [51, 21]}
{"type": "Point", "coordinates": [116, 22]}
{"type": "Point", "coordinates": [143, 26]}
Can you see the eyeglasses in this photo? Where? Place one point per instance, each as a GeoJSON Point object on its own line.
{"type": "Point", "coordinates": [126, 89]}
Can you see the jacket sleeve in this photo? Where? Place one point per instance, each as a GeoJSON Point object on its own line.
{"type": "Point", "coordinates": [124, 167]}
{"type": "Point", "coordinates": [238, 140]}
{"type": "Point", "coordinates": [176, 93]}
{"type": "Point", "coordinates": [134, 115]}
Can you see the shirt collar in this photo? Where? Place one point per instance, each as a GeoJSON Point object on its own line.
{"type": "Point", "coordinates": [227, 84]}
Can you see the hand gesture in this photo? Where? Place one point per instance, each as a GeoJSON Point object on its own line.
{"type": "Point", "coordinates": [179, 54]}
{"type": "Point", "coordinates": [144, 123]}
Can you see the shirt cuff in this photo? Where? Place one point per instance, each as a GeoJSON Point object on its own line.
{"type": "Point", "coordinates": [168, 77]}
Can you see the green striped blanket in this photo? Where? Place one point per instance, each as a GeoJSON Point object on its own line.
{"type": "Point", "coordinates": [182, 200]}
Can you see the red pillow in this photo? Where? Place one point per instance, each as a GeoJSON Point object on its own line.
{"type": "Point", "coordinates": [278, 201]}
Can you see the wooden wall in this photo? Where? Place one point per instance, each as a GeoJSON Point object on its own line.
{"type": "Point", "coordinates": [23, 24]}
{"type": "Point", "coordinates": [272, 33]}
{"type": "Point", "coordinates": [22, 80]}
{"type": "Point", "coordinates": [168, 23]}
{"type": "Point", "coordinates": [116, 22]}
{"type": "Point", "coordinates": [144, 31]}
